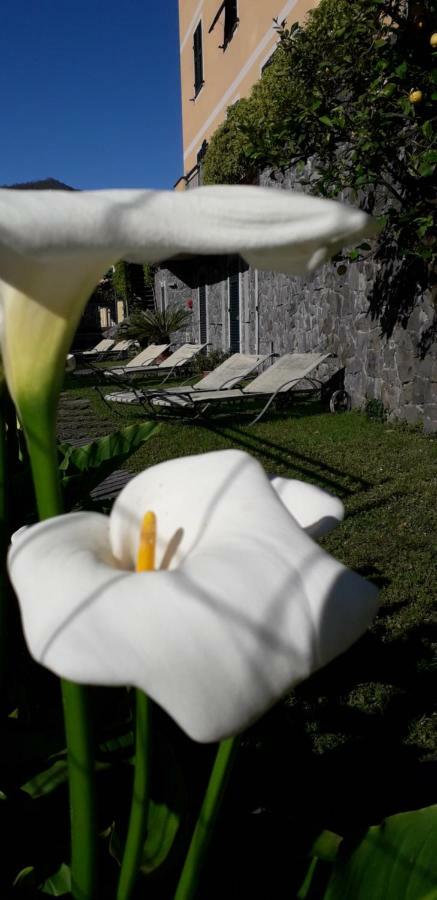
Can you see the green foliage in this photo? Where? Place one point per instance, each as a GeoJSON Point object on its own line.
{"type": "Point", "coordinates": [209, 361]}
{"type": "Point", "coordinates": [392, 860]}
{"type": "Point", "coordinates": [375, 410]}
{"type": "Point", "coordinates": [154, 326]}
{"type": "Point", "coordinates": [149, 275]}
{"type": "Point", "coordinates": [133, 283]}
{"type": "Point", "coordinates": [112, 448]}
{"type": "Point", "coordinates": [337, 92]}
{"type": "Point", "coordinates": [56, 885]}
{"type": "Point", "coordinates": [83, 468]}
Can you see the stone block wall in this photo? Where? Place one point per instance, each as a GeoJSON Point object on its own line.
{"type": "Point", "coordinates": [280, 314]}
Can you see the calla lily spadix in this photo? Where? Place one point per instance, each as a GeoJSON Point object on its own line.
{"type": "Point", "coordinates": [55, 245]}
{"type": "Point", "coordinates": [243, 605]}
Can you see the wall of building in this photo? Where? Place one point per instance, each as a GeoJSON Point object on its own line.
{"type": "Point", "coordinates": [228, 73]}
{"type": "Point", "coordinates": [329, 311]}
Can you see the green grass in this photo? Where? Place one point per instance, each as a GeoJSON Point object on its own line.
{"type": "Point", "coordinates": [373, 710]}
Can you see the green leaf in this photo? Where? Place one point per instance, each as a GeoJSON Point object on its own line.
{"type": "Point", "coordinates": [26, 878]}
{"type": "Point", "coordinates": [113, 446]}
{"type": "Point", "coordinates": [47, 781]}
{"type": "Point", "coordinates": [426, 169]}
{"type": "Point", "coordinates": [163, 824]}
{"type": "Point", "coordinates": [162, 827]}
{"type": "Point", "coordinates": [166, 811]}
{"type": "Point", "coordinates": [326, 846]}
{"type": "Point", "coordinates": [326, 121]}
{"type": "Point", "coordinates": [120, 743]}
{"type": "Point", "coordinates": [59, 883]}
{"type": "Point", "coordinates": [427, 129]}
{"type": "Point", "coordinates": [401, 70]}
{"type": "Point", "coordinates": [394, 860]}
{"type": "Point", "coordinates": [315, 881]}
{"type": "Point", "coordinates": [388, 90]}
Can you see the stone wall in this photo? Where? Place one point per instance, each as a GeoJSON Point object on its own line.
{"type": "Point", "coordinates": [280, 314]}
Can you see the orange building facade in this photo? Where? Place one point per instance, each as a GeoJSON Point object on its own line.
{"type": "Point", "coordinates": [223, 49]}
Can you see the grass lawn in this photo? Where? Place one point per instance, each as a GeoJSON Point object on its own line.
{"type": "Point", "coordinates": [359, 740]}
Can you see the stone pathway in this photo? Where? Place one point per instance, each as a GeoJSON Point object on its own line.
{"type": "Point", "coordinates": [78, 425]}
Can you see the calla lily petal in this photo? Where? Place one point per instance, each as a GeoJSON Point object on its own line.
{"type": "Point", "coordinates": [315, 510]}
{"type": "Point", "coordinates": [245, 605]}
{"type": "Point", "coordinates": [54, 246]}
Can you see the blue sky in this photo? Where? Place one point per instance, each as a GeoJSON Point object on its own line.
{"type": "Point", "coordinates": [90, 93]}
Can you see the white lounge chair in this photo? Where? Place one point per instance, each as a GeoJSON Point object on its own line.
{"type": "Point", "coordinates": [102, 347]}
{"type": "Point", "coordinates": [177, 360]}
{"type": "Point", "coordinates": [139, 362]}
{"type": "Point", "coordinates": [283, 376]}
{"type": "Point", "coordinates": [225, 376]}
{"type": "Point", "coordinates": [122, 347]}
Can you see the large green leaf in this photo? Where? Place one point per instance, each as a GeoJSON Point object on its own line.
{"type": "Point", "coordinates": [112, 447]}
{"type": "Point", "coordinates": [394, 860]}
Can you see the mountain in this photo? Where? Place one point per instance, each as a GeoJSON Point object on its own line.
{"type": "Point", "coordinates": [46, 184]}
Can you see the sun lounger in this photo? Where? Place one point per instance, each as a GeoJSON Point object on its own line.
{"type": "Point", "coordinates": [283, 376]}
{"type": "Point", "coordinates": [176, 361]}
{"type": "Point", "coordinates": [102, 347]}
{"type": "Point", "coordinates": [121, 347]}
{"type": "Point", "coordinates": [139, 362]}
{"type": "Point", "coordinates": [226, 375]}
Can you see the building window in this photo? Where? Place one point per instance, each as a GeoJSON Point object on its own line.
{"type": "Point", "coordinates": [229, 7]}
{"type": "Point", "coordinates": [231, 21]}
{"type": "Point", "coordinates": [203, 322]}
{"type": "Point", "coordinates": [234, 311]}
{"type": "Point", "coordinates": [198, 59]}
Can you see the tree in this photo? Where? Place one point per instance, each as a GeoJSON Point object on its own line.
{"type": "Point", "coordinates": [353, 92]}
{"type": "Point", "coordinates": [134, 284]}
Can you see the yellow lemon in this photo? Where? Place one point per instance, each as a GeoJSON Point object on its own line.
{"type": "Point", "coordinates": [415, 96]}
{"type": "Point", "coordinates": [433, 40]}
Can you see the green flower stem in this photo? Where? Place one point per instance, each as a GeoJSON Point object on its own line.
{"type": "Point", "coordinates": [137, 829]}
{"type": "Point", "coordinates": [209, 811]}
{"type": "Point", "coordinates": [82, 791]}
{"type": "Point", "coordinates": [41, 444]}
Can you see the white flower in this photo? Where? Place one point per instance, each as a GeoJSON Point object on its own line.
{"type": "Point", "coordinates": [55, 245]}
{"type": "Point", "coordinates": [244, 606]}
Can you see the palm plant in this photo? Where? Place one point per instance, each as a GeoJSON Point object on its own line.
{"type": "Point", "coordinates": [154, 326]}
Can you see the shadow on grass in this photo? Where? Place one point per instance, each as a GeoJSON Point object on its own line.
{"type": "Point", "coordinates": [310, 467]}
{"type": "Point", "coordinates": [339, 756]}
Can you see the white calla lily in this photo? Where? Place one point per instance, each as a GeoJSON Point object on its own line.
{"type": "Point", "coordinates": [55, 245]}
{"type": "Point", "coordinates": [244, 605]}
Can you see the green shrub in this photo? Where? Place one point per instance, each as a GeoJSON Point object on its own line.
{"type": "Point", "coordinates": [153, 326]}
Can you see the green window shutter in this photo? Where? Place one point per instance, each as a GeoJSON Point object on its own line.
{"type": "Point", "coordinates": [198, 58]}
